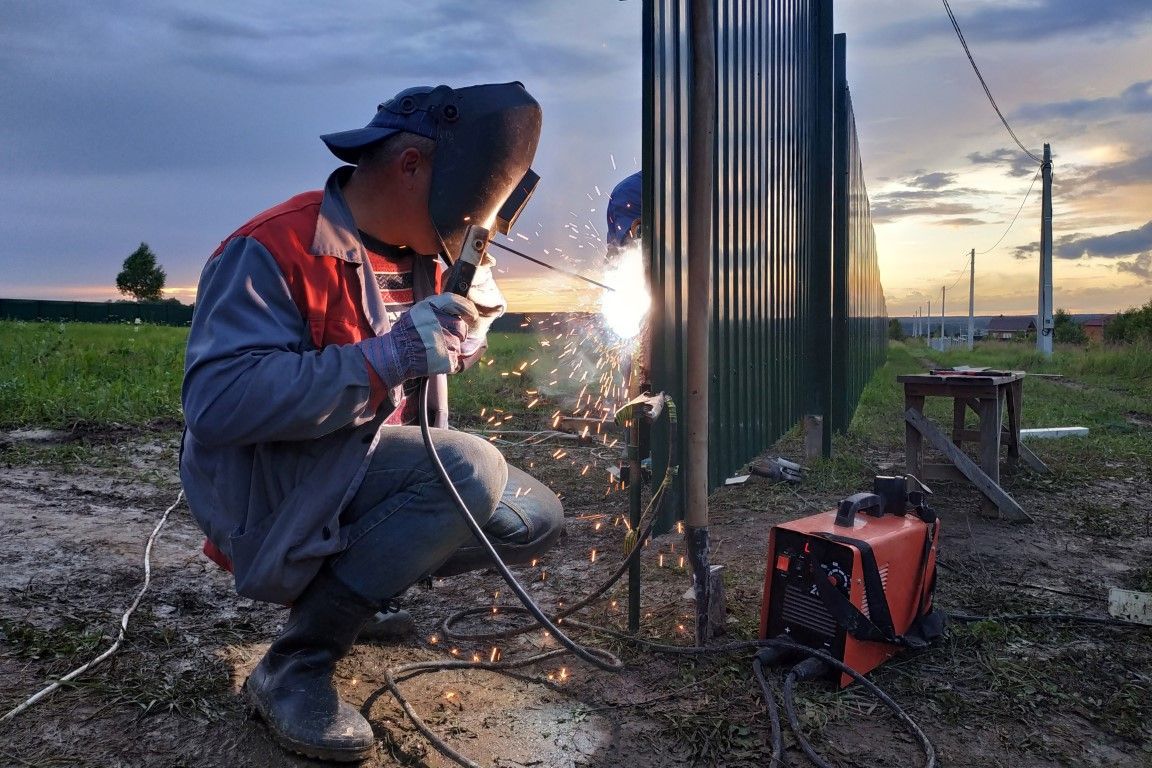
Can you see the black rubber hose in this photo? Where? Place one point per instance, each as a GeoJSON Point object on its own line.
{"type": "Point", "coordinates": [596, 657]}
{"type": "Point", "coordinates": [795, 674]}
{"type": "Point", "coordinates": [769, 695]}
{"type": "Point", "coordinates": [448, 623]}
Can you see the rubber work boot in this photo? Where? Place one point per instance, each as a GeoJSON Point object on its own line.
{"type": "Point", "coordinates": [291, 688]}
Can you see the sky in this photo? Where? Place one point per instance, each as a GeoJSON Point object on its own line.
{"type": "Point", "coordinates": [172, 122]}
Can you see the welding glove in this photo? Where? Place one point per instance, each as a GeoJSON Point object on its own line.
{"type": "Point", "coordinates": [490, 304]}
{"type": "Point", "coordinates": [424, 341]}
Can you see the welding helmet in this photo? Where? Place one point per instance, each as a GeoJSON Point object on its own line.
{"type": "Point", "coordinates": [486, 138]}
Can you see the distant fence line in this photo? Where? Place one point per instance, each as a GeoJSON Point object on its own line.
{"type": "Point", "coordinates": [43, 310]}
{"type": "Point", "coordinates": [169, 313]}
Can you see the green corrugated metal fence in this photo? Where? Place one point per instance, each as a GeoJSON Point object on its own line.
{"type": "Point", "coordinates": [859, 314]}
{"type": "Point", "coordinates": [777, 292]}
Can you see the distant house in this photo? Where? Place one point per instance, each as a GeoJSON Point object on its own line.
{"type": "Point", "coordinates": [1094, 328]}
{"type": "Point", "coordinates": [1011, 328]}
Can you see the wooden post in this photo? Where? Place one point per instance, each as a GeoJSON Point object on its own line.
{"type": "Point", "coordinates": [913, 442]}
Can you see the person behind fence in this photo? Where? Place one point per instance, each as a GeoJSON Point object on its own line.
{"type": "Point", "coordinates": [314, 324]}
{"type": "Point", "coordinates": [624, 211]}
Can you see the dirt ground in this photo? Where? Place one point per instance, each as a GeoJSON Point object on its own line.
{"type": "Point", "coordinates": [991, 694]}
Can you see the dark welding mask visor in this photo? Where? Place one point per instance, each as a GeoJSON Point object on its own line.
{"type": "Point", "coordinates": [481, 173]}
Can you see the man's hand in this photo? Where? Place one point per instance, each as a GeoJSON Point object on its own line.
{"type": "Point", "coordinates": [424, 341]}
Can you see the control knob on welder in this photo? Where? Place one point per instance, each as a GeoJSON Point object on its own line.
{"type": "Point", "coordinates": [837, 577]}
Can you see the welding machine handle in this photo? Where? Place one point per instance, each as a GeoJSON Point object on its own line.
{"type": "Point", "coordinates": [858, 502]}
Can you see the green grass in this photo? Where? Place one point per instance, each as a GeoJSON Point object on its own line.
{"type": "Point", "coordinates": [1127, 367]}
{"type": "Point", "coordinates": [61, 374]}
{"type": "Point", "coordinates": [500, 386]}
{"type": "Point", "coordinates": [1106, 389]}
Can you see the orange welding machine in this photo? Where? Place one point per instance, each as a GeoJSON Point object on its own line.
{"type": "Point", "coordinates": [856, 582]}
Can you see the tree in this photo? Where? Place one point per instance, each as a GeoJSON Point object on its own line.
{"type": "Point", "coordinates": [1132, 325]}
{"type": "Point", "coordinates": [895, 330]}
{"type": "Point", "coordinates": [1065, 330]}
{"type": "Point", "coordinates": [141, 277]}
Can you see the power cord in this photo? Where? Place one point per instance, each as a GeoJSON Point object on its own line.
{"type": "Point", "coordinates": [123, 622]}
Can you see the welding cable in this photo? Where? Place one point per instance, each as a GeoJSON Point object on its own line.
{"type": "Point", "coordinates": [769, 696]}
{"type": "Point", "coordinates": [809, 669]}
{"type": "Point", "coordinates": [790, 647]}
{"type": "Point", "coordinates": [447, 626]}
{"type": "Point", "coordinates": [815, 667]}
{"type": "Point", "coordinates": [645, 526]}
{"type": "Point", "coordinates": [594, 656]}
{"type": "Point", "coordinates": [392, 678]}
{"type": "Point", "coordinates": [123, 621]}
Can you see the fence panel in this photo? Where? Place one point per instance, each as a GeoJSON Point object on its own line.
{"type": "Point", "coordinates": [775, 283]}
{"type": "Point", "coordinates": [859, 314]}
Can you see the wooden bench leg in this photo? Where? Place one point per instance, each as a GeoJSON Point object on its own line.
{"type": "Point", "coordinates": [990, 425]}
{"type": "Point", "coordinates": [913, 440]}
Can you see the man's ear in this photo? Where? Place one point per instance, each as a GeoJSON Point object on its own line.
{"type": "Point", "coordinates": [410, 161]}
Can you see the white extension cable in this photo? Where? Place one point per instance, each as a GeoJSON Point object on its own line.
{"type": "Point", "coordinates": [123, 621]}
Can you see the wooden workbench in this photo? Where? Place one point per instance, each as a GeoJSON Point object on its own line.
{"type": "Point", "coordinates": [991, 395]}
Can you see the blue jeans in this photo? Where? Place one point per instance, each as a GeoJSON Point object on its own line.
{"type": "Point", "coordinates": [403, 525]}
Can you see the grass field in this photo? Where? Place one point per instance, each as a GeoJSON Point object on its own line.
{"type": "Point", "coordinates": [61, 375]}
{"type": "Point", "coordinates": [1107, 389]}
{"type": "Point", "coordinates": [56, 375]}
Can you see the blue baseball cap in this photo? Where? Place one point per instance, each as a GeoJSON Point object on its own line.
{"type": "Point", "coordinates": [410, 111]}
{"type": "Point", "coordinates": [624, 209]}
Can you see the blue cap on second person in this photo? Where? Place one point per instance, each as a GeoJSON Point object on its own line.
{"type": "Point", "coordinates": [624, 209]}
{"type": "Point", "coordinates": [406, 111]}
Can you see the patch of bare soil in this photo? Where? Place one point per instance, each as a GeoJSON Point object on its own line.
{"type": "Point", "coordinates": [991, 694]}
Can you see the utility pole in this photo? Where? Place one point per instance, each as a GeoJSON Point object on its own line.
{"type": "Point", "coordinates": [942, 290]}
{"type": "Point", "coordinates": [1044, 321]}
{"type": "Point", "coordinates": [928, 325]}
{"type": "Point", "coordinates": [972, 300]}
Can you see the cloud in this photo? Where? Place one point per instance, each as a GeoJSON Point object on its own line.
{"type": "Point", "coordinates": [933, 197]}
{"type": "Point", "coordinates": [1128, 242]}
{"type": "Point", "coordinates": [1025, 252]}
{"type": "Point", "coordinates": [157, 85]}
{"type": "Point", "coordinates": [891, 210]}
{"type": "Point", "coordinates": [1141, 267]}
{"type": "Point", "coordinates": [1027, 22]}
{"type": "Point", "coordinates": [937, 180]}
{"type": "Point", "coordinates": [1020, 165]}
{"type": "Point", "coordinates": [962, 221]}
{"type": "Point", "coordinates": [1133, 100]}
{"type": "Point", "coordinates": [1136, 170]}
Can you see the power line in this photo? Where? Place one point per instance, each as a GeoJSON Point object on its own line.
{"type": "Point", "coordinates": [1018, 210]}
{"type": "Point", "coordinates": [980, 77]}
{"type": "Point", "coordinates": [963, 274]}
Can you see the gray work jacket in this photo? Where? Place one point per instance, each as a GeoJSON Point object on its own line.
{"type": "Point", "coordinates": [280, 431]}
